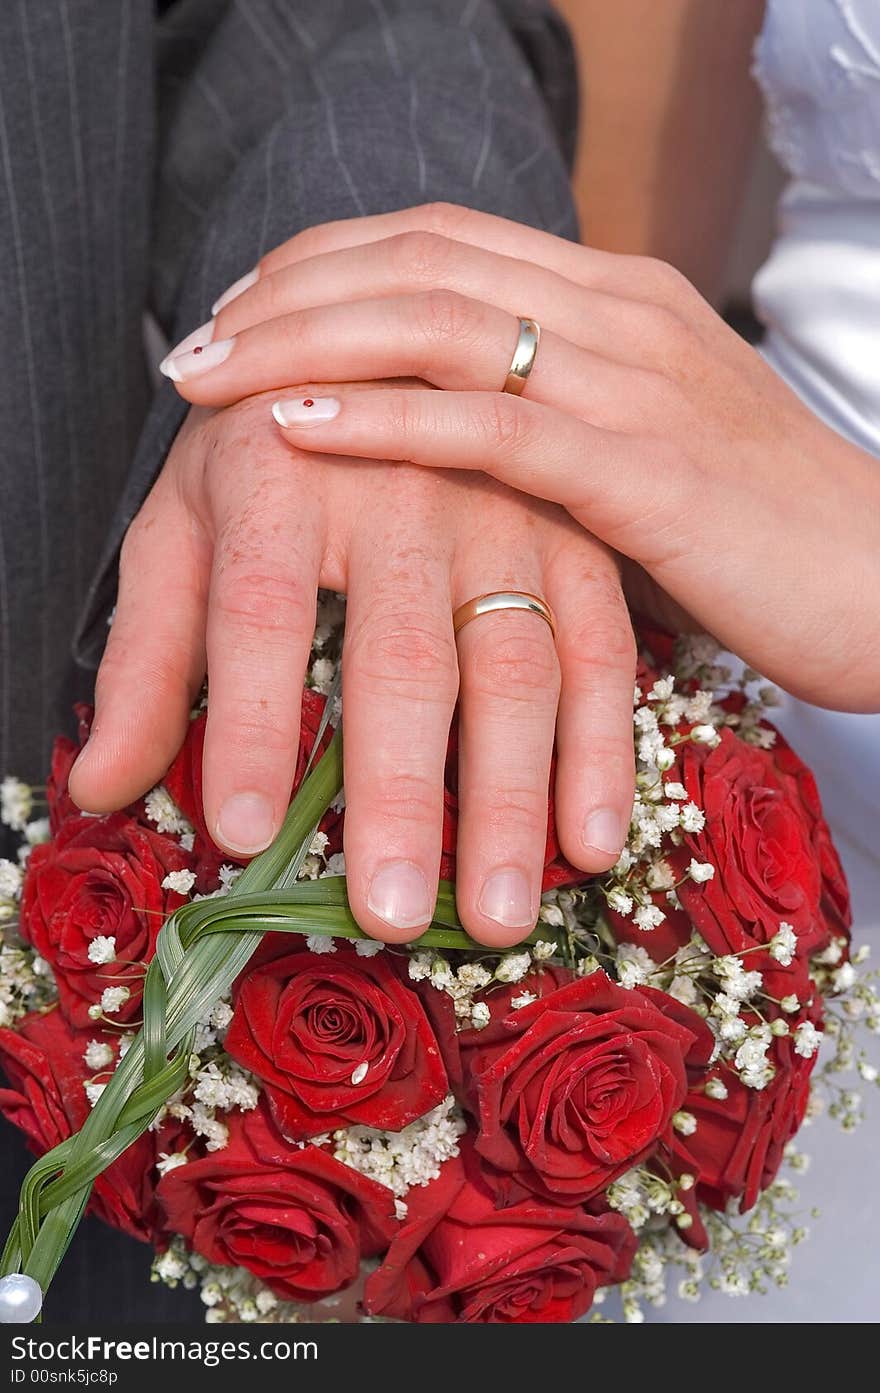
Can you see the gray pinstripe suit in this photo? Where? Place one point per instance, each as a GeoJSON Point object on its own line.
{"type": "Point", "coordinates": [146, 164]}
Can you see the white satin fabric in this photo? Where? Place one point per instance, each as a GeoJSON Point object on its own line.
{"type": "Point", "coordinates": [818, 63]}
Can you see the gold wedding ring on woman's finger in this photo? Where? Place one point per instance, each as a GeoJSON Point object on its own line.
{"type": "Point", "coordinates": [501, 600]}
{"type": "Point", "coordinates": [524, 356]}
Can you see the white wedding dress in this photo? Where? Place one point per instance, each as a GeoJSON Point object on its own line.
{"type": "Point", "coordinates": [818, 64]}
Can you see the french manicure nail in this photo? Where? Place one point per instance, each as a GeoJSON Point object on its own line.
{"type": "Point", "coordinates": [604, 831]}
{"type": "Point", "coordinates": [246, 823]}
{"type": "Point", "coordinates": [306, 411]}
{"type": "Point", "coordinates": [180, 367]}
{"type": "Point", "coordinates": [399, 894]}
{"type": "Point", "coordinates": [233, 291]}
{"type": "Point", "coordinates": [199, 338]}
{"type": "Point", "coordinates": [507, 898]}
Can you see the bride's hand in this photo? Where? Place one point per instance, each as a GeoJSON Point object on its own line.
{"type": "Point", "coordinates": [645, 416]}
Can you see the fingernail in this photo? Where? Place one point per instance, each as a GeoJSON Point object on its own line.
{"type": "Point", "coordinates": [604, 831]}
{"type": "Point", "coordinates": [237, 288]}
{"type": "Point", "coordinates": [306, 411]}
{"type": "Point", "coordinates": [507, 898]}
{"type": "Point", "coordinates": [246, 823]}
{"type": "Point", "coordinates": [182, 366]}
{"type": "Point", "coordinates": [399, 894]}
{"type": "Point", "coordinates": [199, 338]}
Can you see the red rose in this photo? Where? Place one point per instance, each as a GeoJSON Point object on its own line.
{"type": "Point", "coordinates": [772, 853]}
{"type": "Point", "coordinates": [736, 1149]}
{"type": "Point", "coordinates": [293, 1216]}
{"type": "Point", "coordinates": [557, 870]}
{"type": "Point", "coordinates": [337, 1039]}
{"type": "Point", "coordinates": [99, 877]}
{"type": "Point", "coordinates": [459, 1258]}
{"type": "Point", "coordinates": [576, 1088]}
{"type": "Point", "coordinates": [184, 783]}
{"type": "Point", "coordinates": [43, 1060]}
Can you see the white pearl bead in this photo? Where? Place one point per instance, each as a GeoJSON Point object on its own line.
{"type": "Point", "coordinates": [20, 1299]}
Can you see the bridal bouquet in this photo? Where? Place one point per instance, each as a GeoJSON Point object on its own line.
{"type": "Point", "coordinates": [310, 1125]}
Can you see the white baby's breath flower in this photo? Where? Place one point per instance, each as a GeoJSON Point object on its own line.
{"type": "Point", "coordinates": [705, 735]}
{"type": "Point", "coordinates": [480, 1015]}
{"type": "Point", "coordinates": [807, 1039]}
{"type": "Point", "coordinates": [662, 689]}
{"type": "Point", "coordinates": [169, 1161]}
{"type": "Point", "coordinates": [692, 818]}
{"type": "Point", "coordinates": [783, 944]}
{"type": "Point", "coordinates": [37, 832]}
{"type": "Point", "coordinates": [648, 916]}
{"type": "Point", "coordinates": [419, 966]}
{"type": "Point", "coordinates": [634, 965]}
{"type": "Point", "coordinates": [660, 875]}
{"type": "Point", "coordinates": [228, 876]}
{"type": "Point", "coordinates": [619, 900]}
{"type": "Point", "coordinates": [684, 989]}
{"type": "Point", "coordinates": [113, 999]}
{"type": "Point", "coordinates": [716, 1088]}
{"type": "Point", "coordinates": [162, 810]}
{"type": "Point", "coordinates": [551, 914]}
{"type": "Point", "coordinates": [738, 984]}
{"type": "Point", "coordinates": [320, 943]}
{"type": "Point", "coordinates": [94, 1091]}
{"type": "Point", "coordinates": [830, 956]}
{"type": "Point", "coordinates": [11, 878]}
{"type": "Point", "coordinates": [523, 999]}
{"type": "Point", "coordinates": [543, 950]}
{"type": "Point", "coordinates": [102, 949]}
{"type": "Point", "coordinates": [16, 801]}
{"type": "Point", "coordinates": [513, 967]}
{"type": "Point", "coordinates": [677, 792]}
{"type": "Point", "coordinates": [700, 871]}
{"type": "Point", "coordinates": [844, 978]}
{"type": "Point", "coordinates": [685, 1123]}
{"type": "Point", "coordinates": [368, 947]}
{"type": "Point", "coordinates": [98, 1055]}
{"type": "Point", "coordinates": [790, 1004]}
{"type": "Point", "coordinates": [181, 882]}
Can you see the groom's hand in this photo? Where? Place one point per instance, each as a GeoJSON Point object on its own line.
{"type": "Point", "coordinates": [219, 573]}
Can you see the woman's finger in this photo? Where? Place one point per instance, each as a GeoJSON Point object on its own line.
{"type": "Point", "coordinates": [632, 491]}
{"type": "Point", "coordinates": [154, 662]}
{"type": "Point", "coordinates": [261, 618]}
{"type": "Point", "coordinates": [595, 767]}
{"type": "Point", "coordinates": [624, 329]}
{"type": "Point", "coordinates": [400, 684]}
{"type": "Point", "coordinates": [629, 276]}
{"type": "Point", "coordinates": [439, 336]}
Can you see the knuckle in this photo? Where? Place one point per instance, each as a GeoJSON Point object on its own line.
{"type": "Point", "coordinates": [447, 219]}
{"type": "Point", "coordinates": [164, 673]}
{"type": "Point", "coordinates": [521, 812]}
{"type": "Point", "coordinates": [404, 799]}
{"type": "Point", "coordinates": [256, 733]}
{"type": "Point", "coordinates": [421, 256]}
{"type": "Point", "coordinates": [406, 652]}
{"type": "Point", "coordinates": [262, 601]}
{"type": "Point", "coordinates": [508, 424]}
{"type": "Point", "coordinates": [518, 665]}
{"type": "Point", "coordinates": [605, 643]}
{"type": "Point", "coordinates": [445, 317]}
{"type": "Point", "coordinates": [667, 284]}
{"type": "Point", "coordinates": [665, 328]}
